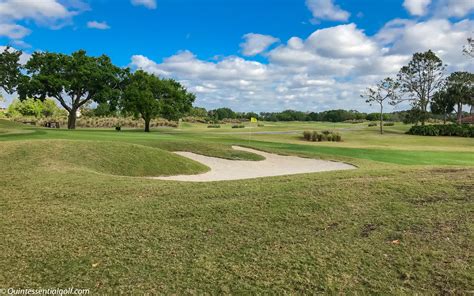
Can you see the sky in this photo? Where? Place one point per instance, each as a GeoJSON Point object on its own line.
{"type": "Point", "coordinates": [251, 55]}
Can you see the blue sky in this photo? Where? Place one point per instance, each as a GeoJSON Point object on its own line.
{"type": "Point", "coordinates": [250, 54]}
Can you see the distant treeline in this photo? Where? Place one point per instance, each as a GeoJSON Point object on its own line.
{"type": "Point", "coordinates": [339, 115]}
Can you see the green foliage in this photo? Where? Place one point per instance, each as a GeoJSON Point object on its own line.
{"type": "Point", "coordinates": [421, 78]}
{"type": "Point", "coordinates": [222, 113]}
{"type": "Point", "coordinates": [147, 96]}
{"type": "Point", "coordinates": [214, 126]}
{"type": "Point", "coordinates": [329, 136]}
{"type": "Point", "coordinates": [371, 124]}
{"type": "Point", "coordinates": [77, 78]}
{"type": "Point", "coordinates": [9, 69]}
{"type": "Point", "coordinates": [443, 103]}
{"type": "Point", "coordinates": [389, 124]}
{"type": "Point", "coordinates": [33, 108]}
{"type": "Point", "coordinates": [198, 112]}
{"type": "Point", "coordinates": [238, 126]}
{"type": "Point", "coordinates": [443, 130]}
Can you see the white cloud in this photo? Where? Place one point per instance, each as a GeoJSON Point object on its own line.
{"type": "Point", "coordinates": [257, 43]}
{"type": "Point", "coordinates": [341, 41]}
{"type": "Point", "coordinates": [43, 11]}
{"type": "Point", "coordinates": [52, 13]}
{"type": "Point", "coordinates": [327, 70]}
{"type": "Point", "coordinates": [439, 8]}
{"type": "Point", "coordinates": [98, 25]}
{"type": "Point", "coordinates": [417, 7]}
{"type": "Point", "coordinates": [327, 10]}
{"type": "Point", "coordinates": [13, 31]}
{"type": "Point", "coordinates": [151, 4]}
{"type": "Point", "coordinates": [454, 8]}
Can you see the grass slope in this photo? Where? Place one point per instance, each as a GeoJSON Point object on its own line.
{"type": "Point", "coordinates": [104, 157]}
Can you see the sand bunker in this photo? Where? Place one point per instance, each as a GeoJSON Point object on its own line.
{"type": "Point", "coordinates": [273, 165]}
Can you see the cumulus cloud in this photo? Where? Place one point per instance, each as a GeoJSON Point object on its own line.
{"type": "Point", "coordinates": [327, 10]}
{"type": "Point", "coordinates": [98, 25]}
{"type": "Point", "coordinates": [417, 7]}
{"type": "Point", "coordinates": [326, 70]}
{"type": "Point", "coordinates": [13, 31]}
{"type": "Point", "coordinates": [150, 4]}
{"type": "Point", "coordinates": [50, 13]}
{"type": "Point", "coordinates": [454, 8]}
{"type": "Point", "coordinates": [439, 8]}
{"type": "Point", "coordinates": [257, 43]}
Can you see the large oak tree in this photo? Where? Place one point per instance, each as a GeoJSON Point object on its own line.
{"type": "Point", "coordinates": [73, 80]}
{"type": "Point", "coordinates": [147, 96]}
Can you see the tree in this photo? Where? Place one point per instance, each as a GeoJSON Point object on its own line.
{"type": "Point", "coordinates": [9, 69]}
{"type": "Point", "coordinates": [460, 87]}
{"type": "Point", "coordinates": [385, 91]}
{"type": "Point", "coordinates": [420, 79]}
{"type": "Point", "coordinates": [147, 96]}
{"type": "Point", "coordinates": [469, 48]}
{"type": "Point", "coordinates": [222, 113]}
{"type": "Point", "coordinates": [442, 104]}
{"type": "Point", "coordinates": [73, 80]}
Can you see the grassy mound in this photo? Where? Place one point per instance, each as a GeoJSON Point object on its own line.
{"type": "Point", "coordinates": [104, 157]}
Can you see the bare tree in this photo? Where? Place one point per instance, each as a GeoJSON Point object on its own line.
{"type": "Point", "coordinates": [385, 91]}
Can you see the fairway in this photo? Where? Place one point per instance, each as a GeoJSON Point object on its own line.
{"type": "Point", "coordinates": [78, 209]}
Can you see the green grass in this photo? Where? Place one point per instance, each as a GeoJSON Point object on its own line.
{"type": "Point", "coordinates": [100, 157]}
{"type": "Point", "coordinates": [72, 215]}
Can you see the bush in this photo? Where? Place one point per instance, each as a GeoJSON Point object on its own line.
{"type": "Point", "coordinates": [372, 124]}
{"type": "Point", "coordinates": [455, 130]}
{"type": "Point", "coordinates": [314, 136]}
{"type": "Point", "coordinates": [214, 126]}
{"type": "Point", "coordinates": [389, 124]}
{"type": "Point", "coordinates": [238, 126]}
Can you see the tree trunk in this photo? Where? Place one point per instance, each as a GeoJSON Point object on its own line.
{"type": "Point", "coordinates": [71, 120]}
{"type": "Point", "coordinates": [381, 119]}
{"type": "Point", "coordinates": [459, 113]}
{"type": "Point", "coordinates": [147, 125]}
{"type": "Point", "coordinates": [444, 118]}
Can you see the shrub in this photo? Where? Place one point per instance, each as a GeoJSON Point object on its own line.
{"type": "Point", "coordinates": [314, 136]}
{"type": "Point", "coordinates": [372, 124]}
{"type": "Point", "coordinates": [307, 135]}
{"type": "Point", "coordinates": [389, 124]}
{"type": "Point", "coordinates": [238, 126]}
{"type": "Point", "coordinates": [261, 125]}
{"type": "Point", "coordinates": [214, 126]}
{"type": "Point", "coordinates": [455, 130]}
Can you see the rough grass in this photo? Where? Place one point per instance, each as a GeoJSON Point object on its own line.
{"type": "Point", "coordinates": [386, 228]}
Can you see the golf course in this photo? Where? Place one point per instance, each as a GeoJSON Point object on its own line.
{"type": "Point", "coordinates": [83, 208]}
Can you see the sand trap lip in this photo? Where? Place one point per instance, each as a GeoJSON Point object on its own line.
{"type": "Point", "coordinates": [273, 165]}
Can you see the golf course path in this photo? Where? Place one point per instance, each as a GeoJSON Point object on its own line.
{"type": "Point", "coordinates": [273, 165]}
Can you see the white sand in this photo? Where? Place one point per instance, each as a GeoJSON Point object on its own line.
{"type": "Point", "coordinates": [273, 165]}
